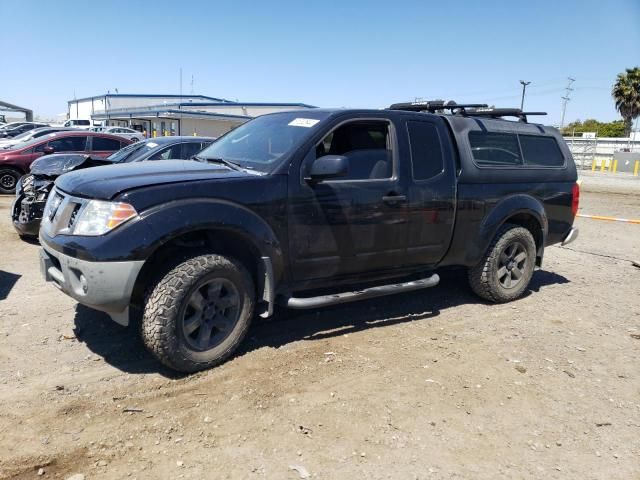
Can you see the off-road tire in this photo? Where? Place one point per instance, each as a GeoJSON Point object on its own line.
{"type": "Point", "coordinates": [483, 278]}
{"type": "Point", "coordinates": [161, 326]}
{"type": "Point", "coordinates": [5, 173]}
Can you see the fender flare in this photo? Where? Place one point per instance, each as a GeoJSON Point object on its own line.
{"type": "Point", "coordinates": [505, 209]}
{"type": "Point", "coordinates": [171, 220]}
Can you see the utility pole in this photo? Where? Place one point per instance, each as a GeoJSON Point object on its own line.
{"type": "Point", "coordinates": [524, 88]}
{"type": "Point", "coordinates": [565, 99]}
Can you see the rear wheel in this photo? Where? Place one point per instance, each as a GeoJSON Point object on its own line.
{"type": "Point", "coordinates": [506, 268]}
{"type": "Point", "coordinates": [9, 179]}
{"type": "Point", "coordinates": [198, 314]}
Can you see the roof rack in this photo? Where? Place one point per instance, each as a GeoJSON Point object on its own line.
{"type": "Point", "coordinates": [500, 112]}
{"type": "Point", "coordinates": [465, 109]}
{"type": "Point", "coordinates": [434, 106]}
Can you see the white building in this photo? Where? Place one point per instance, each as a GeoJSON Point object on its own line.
{"type": "Point", "coordinates": [159, 115]}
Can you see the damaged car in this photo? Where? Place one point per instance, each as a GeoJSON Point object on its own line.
{"type": "Point", "coordinates": [32, 190]}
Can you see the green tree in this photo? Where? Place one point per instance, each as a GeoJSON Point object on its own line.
{"type": "Point", "coordinates": [626, 94]}
{"type": "Point", "coordinates": [603, 129]}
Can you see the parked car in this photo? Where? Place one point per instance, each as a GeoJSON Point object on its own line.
{"type": "Point", "coordinates": [125, 132]}
{"type": "Point", "coordinates": [9, 143]}
{"type": "Point", "coordinates": [7, 126]}
{"type": "Point", "coordinates": [15, 162]}
{"type": "Point", "coordinates": [33, 189]}
{"type": "Point", "coordinates": [308, 209]}
{"type": "Point", "coordinates": [19, 129]}
{"type": "Point", "coordinates": [78, 123]}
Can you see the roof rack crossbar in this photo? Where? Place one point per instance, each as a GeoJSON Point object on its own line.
{"type": "Point", "coordinates": [434, 106]}
{"type": "Point", "coordinates": [500, 112]}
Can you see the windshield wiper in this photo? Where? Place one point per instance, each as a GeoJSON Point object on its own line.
{"type": "Point", "coordinates": [221, 161]}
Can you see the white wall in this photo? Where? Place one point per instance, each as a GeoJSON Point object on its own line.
{"type": "Point", "coordinates": [251, 111]}
{"type": "Point", "coordinates": [206, 128]}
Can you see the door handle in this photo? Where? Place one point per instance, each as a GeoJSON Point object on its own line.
{"type": "Point", "coordinates": [394, 199]}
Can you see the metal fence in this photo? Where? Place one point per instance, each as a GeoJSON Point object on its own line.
{"type": "Point", "coordinates": [598, 153]}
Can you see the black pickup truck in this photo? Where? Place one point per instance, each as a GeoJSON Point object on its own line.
{"type": "Point", "coordinates": [307, 209]}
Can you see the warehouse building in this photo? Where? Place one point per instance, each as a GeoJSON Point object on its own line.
{"type": "Point", "coordinates": [161, 115]}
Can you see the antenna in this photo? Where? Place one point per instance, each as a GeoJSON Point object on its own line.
{"type": "Point", "coordinates": [191, 84]}
{"type": "Point", "coordinates": [566, 99]}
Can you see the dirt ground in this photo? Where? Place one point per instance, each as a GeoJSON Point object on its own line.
{"type": "Point", "coordinates": [431, 384]}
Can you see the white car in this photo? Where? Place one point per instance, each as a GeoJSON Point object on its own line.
{"type": "Point", "coordinates": [78, 123]}
{"type": "Point", "coordinates": [125, 132]}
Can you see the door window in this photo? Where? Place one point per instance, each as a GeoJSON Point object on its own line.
{"type": "Point", "coordinates": [366, 144]}
{"type": "Point", "coordinates": [190, 149]}
{"type": "Point", "coordinates": [69, 144]}
{"type": "Point", "coordinates": [101, 144]}
{"type": "Point", "coordinates": [167, 153]}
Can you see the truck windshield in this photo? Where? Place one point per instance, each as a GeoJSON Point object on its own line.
{"type": "Point", "coordinates": [261, 142]}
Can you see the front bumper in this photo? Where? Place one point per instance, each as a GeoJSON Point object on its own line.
{"type": "Point", "coordinates": [104, 286]}
{"type": "Point", "coordinates": [26, 214]}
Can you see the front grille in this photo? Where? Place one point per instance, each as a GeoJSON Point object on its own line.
{"type": "Point", "coordinates": [74, 215]}
{"type": "Point", "coordinates": [61, 213]}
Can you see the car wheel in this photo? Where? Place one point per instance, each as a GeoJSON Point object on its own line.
{"type": "Point", "coordinates": [506, 268]}
{"type": "Point", "coordinates": [8, 180]}
{"type": "Point", "coordinates": [134, 139]}
{"type": "Point", "coordinates": [198, 313]}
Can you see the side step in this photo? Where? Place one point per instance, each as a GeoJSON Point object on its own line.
{"type": "Point", "coordinates": [335, 299]}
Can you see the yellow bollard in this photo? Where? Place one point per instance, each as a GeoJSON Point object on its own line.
{"type": "Point", "coordinates": [602, 165]}
{"type": "Point", "coordinates": [195, 134]}
{"type": "Point", "coordinates": [593, 165]}
{"type": "Point", "coordinates": [635, 169]}
{"type": "Point", "coordinates": [615, 166]}
{"type": "Point", "coordinates": [155, 133]}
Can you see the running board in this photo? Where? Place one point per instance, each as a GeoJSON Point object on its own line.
{"type": "Point", "coordinates": [335, 299]}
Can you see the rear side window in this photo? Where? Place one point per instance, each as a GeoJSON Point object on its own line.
{"type": "Point", "coordinates": [541, 151]}
{"type": "Point", "coordinates": [494, 149]}
{"type": "Point", "coordinates": [426, 150]}
{"type": "Point", "coordinates": [105, 144]}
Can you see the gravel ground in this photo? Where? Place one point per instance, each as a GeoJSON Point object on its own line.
{"type": "Point", "coordinates": [431, 384]}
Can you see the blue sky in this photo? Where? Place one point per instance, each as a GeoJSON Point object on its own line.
{"type": "Point", "coordinates": [326, 53]}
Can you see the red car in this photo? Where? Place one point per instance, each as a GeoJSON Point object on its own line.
{"type": "Point", "coordinates": [15, 162]}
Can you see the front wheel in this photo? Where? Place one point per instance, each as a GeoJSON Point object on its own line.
{"type": "Point", "coordinates": [506, 268]}
{"type": "Point", "coordinates": [198, 314]}
{"type": "Point", "coordinates": [8, 180]}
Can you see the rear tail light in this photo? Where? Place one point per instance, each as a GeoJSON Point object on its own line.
{"type": "Point", "coordinates": [575, 198]}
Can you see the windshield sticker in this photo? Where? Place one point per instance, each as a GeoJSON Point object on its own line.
{"type": "Point", "coordinates": [303, 122]}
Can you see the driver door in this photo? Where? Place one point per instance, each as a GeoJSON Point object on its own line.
{"type": "Point", "coordinates": [354, 224]}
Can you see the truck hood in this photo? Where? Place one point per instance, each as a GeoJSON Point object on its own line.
{"type": "Point", "coordinates": [108, 181]}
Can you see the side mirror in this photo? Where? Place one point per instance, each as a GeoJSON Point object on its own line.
{"type": "Point", "coordinates": [329, 166]}
{"type": "Point", "coordinates": [48, 150]}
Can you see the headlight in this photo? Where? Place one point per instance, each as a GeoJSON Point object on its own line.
{"type": "Point", "coordinates": [98, 217]}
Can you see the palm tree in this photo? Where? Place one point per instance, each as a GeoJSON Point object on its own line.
{"type": "Point", "coordinates": [626, 94]}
